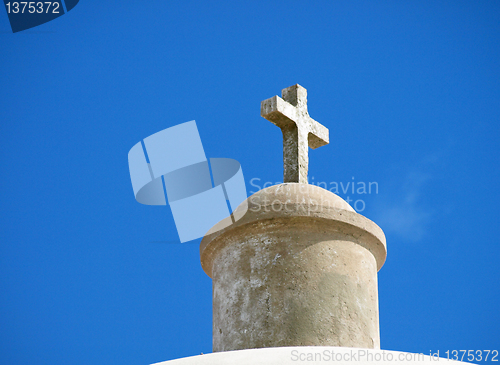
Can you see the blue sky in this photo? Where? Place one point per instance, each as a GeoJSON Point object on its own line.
{"type": "Point", "coordinates": [409, 90]}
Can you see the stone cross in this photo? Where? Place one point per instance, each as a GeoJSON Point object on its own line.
{"type": "Point", "coordinates": [299, 130]}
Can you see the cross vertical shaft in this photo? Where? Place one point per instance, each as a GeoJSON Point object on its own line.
{"type": "Point", "coordinates": [299, 130]}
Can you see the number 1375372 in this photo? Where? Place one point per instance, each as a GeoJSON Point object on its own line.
{"type": "Point", "coordinates": [32, 7]}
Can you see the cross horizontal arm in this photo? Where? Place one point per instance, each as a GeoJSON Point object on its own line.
{"type": "Point", "coordinates": [282, 114]}
{"type": "Point", "coordinates": [318, 135]}
{"type": "Point", "coordinates": [278, 111]}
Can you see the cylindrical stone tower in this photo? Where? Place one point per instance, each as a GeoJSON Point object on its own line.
{"type": "Point", "coordinates": [298, 269]}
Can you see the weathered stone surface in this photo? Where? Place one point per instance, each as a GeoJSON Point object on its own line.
{"type": "Point", "coordinates": [299, 269]}
{"type": "Point", "coordinates": [299, 130]}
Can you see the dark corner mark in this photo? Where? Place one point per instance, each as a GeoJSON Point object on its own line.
{"type": "Point", "coordinates": [70, 4]}
{"type": "Point", "coordinates": [28, 14]}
